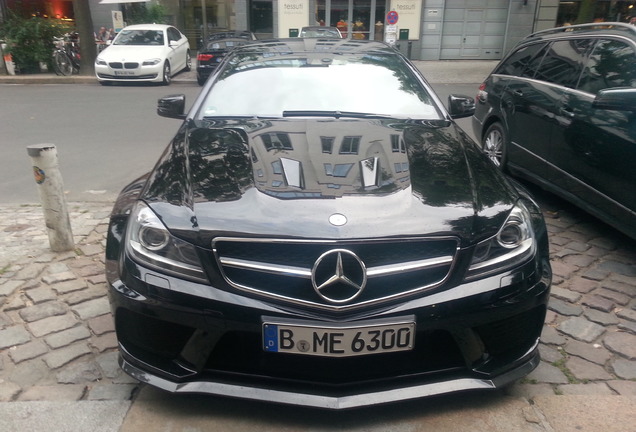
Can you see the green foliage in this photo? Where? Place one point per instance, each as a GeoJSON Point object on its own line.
{"type": "Point", "coordinates": [30, 39]}
{"type": "Point", "coordinates": [140, 13]}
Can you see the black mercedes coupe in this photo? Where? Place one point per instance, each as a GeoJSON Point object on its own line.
{"type": "Point", "coordinates": [320, 232]}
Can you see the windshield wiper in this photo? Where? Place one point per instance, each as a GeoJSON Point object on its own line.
{"type": "Point", "coordinates": [335, 114]}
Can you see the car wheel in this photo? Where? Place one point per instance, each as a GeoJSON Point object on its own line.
{"type": "Point", "coordinates": [200, 80]}
{"type": "Point", "coordinates": [188, 62]}
{"type": "Point", "coordinates": [494, 144]}
{"type": "Point", "coordinates": [166, 73]}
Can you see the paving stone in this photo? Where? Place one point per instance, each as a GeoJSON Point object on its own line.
{"type": "Point", "coordinates": [619, 267]}
{"type": "Point", "coordinates": [585, 370]}
{"type": "Point", "coordinates": [44, 310]}
{"type": "Point", "coordinates": [624, 388]}
{"type": "Point", "coordinates": [41, 294]}
{"type": "Point", "coordinates": [15, 335]}
{"type": "Point", "coordinates": [596, 274]}
{"type": "Point", "coordinates": [599, 303]}
{"type": "Point", "coordinates": [603, 243]}
{"type": "Point", "coordinates": [79, 373]}
{"type": "Point", "coordinates": [29, 373]}
{"type": "Point", "coordinates": [621, 343]}
{"type": "Point", "coordinates": [602, 318]}
{"type": "Point", "coordinates": [92, 308]}
{"type": "Point", "coordinates": [69, 286]}
{"type": "Point", "coordinates": [550, 335]}
{"type": "Point", "coordinates": [597, 388]}
{"type": "Point", "coordinates": [614, 296]}
{"type": "Point", "coordinates": [581, 329]}
{"type": "Point", "coordinates": [62, 356]}
{"type": "Point", "coordinates": [580, 261]}
{"type": "Point", "coordinates": [109, 364]}
{"type": "Point", "coordinates": [550, 354]}
{"type": "Point", "coordinates": [628, 314]}
{"type": "Point", "coordinates": [565, 294]}
{"type": "Point", "coordinates": [105, 342]}
{"type": "Point", "coordinates": [58, 267]}
{"type": "Point", "coordinates": [111, 392]}
{"type": "Point", "coordinates": [595, 353]}
{"type": "Point", "coordinates": [7, 288]}
{"type": "Point", "coordinates": [564, 308]}
{"type": "Point", "coordinates": [529, 391]}
{"type": "Point", "coordinates": [546, 373]}
{"type": "Point", "coordinates": [621, 287]}
{"type": "Point", "coordinates": [67, 337]}
{"type": "Point", "coordinates": [624, 369]}
{"type": "Point", "coordinates": [562, 269]}
{"type": "Point", "coordinates": [54, 324]}
{"type": "Point", "coordinates": [628, 326]}
{"type": "Point", "coordinates": [9, 391]}
{"type": "Point", "coordinates": [53, 393]}
{"type": "Point", "coordinates": [90, 293]}
{"type": "Point", "coordinates": [58, 277]}
{"type": "Point", "coordinates": [102, 324]}
{"type": "Point", "coordinates": [28, 351]}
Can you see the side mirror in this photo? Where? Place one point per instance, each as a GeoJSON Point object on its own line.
{"type": "Point", "coordinates": [460, 106]}
{"type": "Point", "coordinates": [617, 99]}
{"type": "Point", "coordinates": [172, 106]}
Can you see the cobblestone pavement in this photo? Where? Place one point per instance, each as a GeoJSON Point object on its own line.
{"type": "Point", "coordinates": [57, 341]}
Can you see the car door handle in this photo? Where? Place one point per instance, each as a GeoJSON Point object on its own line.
{"type": "Point", "coordinates": [517, 93]}
{"type": "Point", "coordinates": [567, 111]}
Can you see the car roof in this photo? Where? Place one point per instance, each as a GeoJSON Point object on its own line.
{"type": "Point", "coordinates": [590, 29]}
{"type": "Point", "coordinates": [312, 45]}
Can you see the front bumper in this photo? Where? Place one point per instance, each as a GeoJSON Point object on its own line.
{"type": "Point", "coordinates": [140, 74]}
{"type": "Point", "coordinates": [186, 337]}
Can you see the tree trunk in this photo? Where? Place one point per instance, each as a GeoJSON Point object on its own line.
{"type": "Point", "coordinates": [84, 25]}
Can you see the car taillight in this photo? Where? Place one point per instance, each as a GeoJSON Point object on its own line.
{"type": "Point", "coordinates": [205, 57]}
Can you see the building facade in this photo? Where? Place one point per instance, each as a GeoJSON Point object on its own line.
{"type": "Point", "coordinates": [421, 29]}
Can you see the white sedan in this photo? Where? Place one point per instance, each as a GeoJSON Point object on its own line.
{"type": "Point", "coordinates": [144, 52]}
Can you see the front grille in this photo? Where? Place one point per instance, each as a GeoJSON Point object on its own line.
{"type": "Point", "coordinates": [120, 65]}
{"type": "Point", "coordinates": [282, 269]}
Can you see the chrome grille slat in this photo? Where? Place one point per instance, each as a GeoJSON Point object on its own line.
{"type": "Point", "coordinates": [281, 269]}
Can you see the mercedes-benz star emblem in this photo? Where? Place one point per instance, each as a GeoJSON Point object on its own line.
{"type": "Point", "coordinates": [339, 276]}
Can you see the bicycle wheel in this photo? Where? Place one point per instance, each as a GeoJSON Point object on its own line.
{"type": "Point", "coordinates": [62, 63]}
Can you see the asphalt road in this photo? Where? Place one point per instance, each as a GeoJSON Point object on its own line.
{"type": "Point", "coordinates": [105, 136]}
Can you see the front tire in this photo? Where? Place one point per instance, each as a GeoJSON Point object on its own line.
{"type": "Point", "coordinates": [188, 62]}
{"type": "Point", "coordinates": [495, 144]}
{"type": "Point", "coordinates": [166, 74]}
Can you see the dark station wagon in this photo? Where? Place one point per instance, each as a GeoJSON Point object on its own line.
{"type": "Point", "coordinates": [320, 232]}
{"type": "Point", "coordinates": [559, 111]}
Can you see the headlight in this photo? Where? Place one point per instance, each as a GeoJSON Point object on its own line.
{"type": "Point", "coordinates": [150, 243]}
{"type": "Point", "coordinates": [151, 62]}
{"type": "Point", "coordinates": [511, 246]}
{"type": "Point", "coordinates": [100, 62]}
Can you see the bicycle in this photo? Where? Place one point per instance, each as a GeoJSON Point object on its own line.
{"type": "Point", "coordinates": [66, 55]}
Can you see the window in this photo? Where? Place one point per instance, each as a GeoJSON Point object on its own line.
{"type": "Point", "coordinates": [327, 144]}
{"type": "Point", "coordinates": [338, 170]}
{"type": "Point", "coordinates": [350, 145]}
{"type": "Point", "coordinates": [518, 60]}
{"type": "Point", "coordinates": [563, 63]}
{"type": "Point", "coordinates": [612, 64]}
{"type": "Point", "coordinates": [276, 141]}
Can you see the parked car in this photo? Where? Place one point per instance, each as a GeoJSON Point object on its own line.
{"type": "Point", "coordinates": [215, 50]}
{"type": "Point", "coordinates": [144, 52]}
{"type": "Point", "coordinates": [320, 232]}
{"type": "Point", "coordinates": [320, 32]}
{"type": "Point", "coordinates": [558, 111]}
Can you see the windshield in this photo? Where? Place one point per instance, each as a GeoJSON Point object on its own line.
{"type": "Point", "coordinates": [139, 37]}
{"type": "Point", "coordinates": [270, 87]}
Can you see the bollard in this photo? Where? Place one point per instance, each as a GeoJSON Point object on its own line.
{"type": "Point", "coordinates": [51, 190]}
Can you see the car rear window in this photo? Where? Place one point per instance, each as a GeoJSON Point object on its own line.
{"type": "Point", "coordinates": [517, 61]}
{"type": "Point", "coordinates": [612, 64]}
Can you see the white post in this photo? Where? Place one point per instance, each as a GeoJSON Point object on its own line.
{"type": "Point", "coordinates": [51, 190]}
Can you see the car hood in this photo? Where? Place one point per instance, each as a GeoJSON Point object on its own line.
{"type": "Point", "coordinates": [122, 53]}
{"type": "Point", "coordinates": [327, 179]}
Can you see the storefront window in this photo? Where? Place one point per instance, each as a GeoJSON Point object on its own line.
{"type": "Point", "coordinates": [261, 18]}
{"type": "Point", "coordinates": [573, 12]}
{"type": "Point", "coordinates": [356, 19]}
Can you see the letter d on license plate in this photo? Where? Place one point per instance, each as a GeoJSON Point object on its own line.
{"type": "Point", "coordinates": [338, 340]}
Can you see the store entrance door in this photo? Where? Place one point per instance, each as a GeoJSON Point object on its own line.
{"type": "Point", "coordinates": [356, 19]}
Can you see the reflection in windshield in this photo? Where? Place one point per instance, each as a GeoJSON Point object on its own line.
{"type": "Point", "coordinates": [371, 84]}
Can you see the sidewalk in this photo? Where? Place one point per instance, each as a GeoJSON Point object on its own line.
{"type": "Point", "coordinates": [58, 368]}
